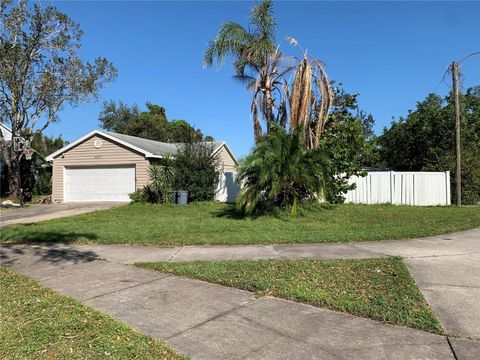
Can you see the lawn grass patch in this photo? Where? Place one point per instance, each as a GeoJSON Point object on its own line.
{"type": "Point", "coordinates": [37, 323]}
{"type": "Point", "coordinates": [380, 289]}
{"type": "Point", "coordinates": [216, 223]}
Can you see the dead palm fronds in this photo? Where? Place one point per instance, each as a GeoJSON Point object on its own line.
{"type": "Point", "coordinates": [301, 96]}
{"type": "Point", "coordinates": [310, 98]}
{"type": "Point", "coordinates": [326, 97]}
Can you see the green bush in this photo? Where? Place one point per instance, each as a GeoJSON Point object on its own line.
{"type": "Point", "coordinates": [196, 170]}
{"type": "Point", "coordinates": [139, 196]}
{"type": "Point", "coordinates": [280, 172]}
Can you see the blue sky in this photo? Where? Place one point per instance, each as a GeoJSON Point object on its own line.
{"type": "Point", "coordinates": [391, 53]}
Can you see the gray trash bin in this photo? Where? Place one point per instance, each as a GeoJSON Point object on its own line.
{"type": "Point", "coordinates": [182, 197]}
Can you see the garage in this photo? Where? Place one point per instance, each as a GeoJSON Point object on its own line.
{"type": "Point", "coordinates": [106, 166]}
{"type": "Point", "coordinates": [111, 183]}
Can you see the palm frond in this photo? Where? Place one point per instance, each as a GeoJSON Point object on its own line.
{"type": "Point", "coordinates": [230, 40]}
{"type": "Point", "coordinates": [262, 19]}
{"type": "Point", "coordinates": [280, 171]}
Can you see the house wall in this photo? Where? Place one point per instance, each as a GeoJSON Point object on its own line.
{"type": "Point", "coordinates": [227, 160]}
{"type": "Point", "coordinates": [86, 154]}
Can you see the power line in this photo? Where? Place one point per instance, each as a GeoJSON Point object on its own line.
{"type": "Point", "coordinates": [448, 70]}
{"type": "Point", "coordinates": [466, 57]}
{"type": "Point", "coordinates": [442, 80]}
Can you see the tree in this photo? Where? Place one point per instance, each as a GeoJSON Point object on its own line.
{"type": "Point", "coordinates": [36, 173]}
{"type": "Point", "coordinates": [255, 59]}
{"type": "Point", "coordinates": [304, 103]}
{"type": "Point", "coordinates": [281, 171]}
{"type": "Point", "coordinates": [151, 124]}
{"type": "Point", "coordinates": [345, 141]}
{"type": "Point", "coordinates": [40, 72]}
{"type": "Point", "coordinates": [425, 141]}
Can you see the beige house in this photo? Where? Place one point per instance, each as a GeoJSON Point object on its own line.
{"type": "Point", "coordinates": [106, 166]}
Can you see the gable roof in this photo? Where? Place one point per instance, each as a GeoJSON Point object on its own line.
{"type": "Point", "coordinates": [149, 148]}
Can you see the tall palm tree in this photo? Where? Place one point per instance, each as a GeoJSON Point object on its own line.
{"type": "Point", "coordinates": [256, 60]}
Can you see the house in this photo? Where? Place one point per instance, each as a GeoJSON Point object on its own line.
{"type": "Point", "coordinates": [5, 133]}
{"type": "Point", "coordinates": [106, 166]}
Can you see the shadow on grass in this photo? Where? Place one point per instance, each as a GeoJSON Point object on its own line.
{"type": "Point", "coordinates": [231, 213]}
{"type": "Point", "coordinates": [275, 212]}
{"type": "Point", "coordinates": [48, 237]}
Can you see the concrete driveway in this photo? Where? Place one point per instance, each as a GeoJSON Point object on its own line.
{"type": "Point", "coordinates": [40, 212]}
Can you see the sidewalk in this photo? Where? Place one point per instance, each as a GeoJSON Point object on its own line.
{"type": "Point", "coordinates": [446, 268]}
{"type": "Point", "coordinates": [463, 243]}
{"type": "Point", "coordinates": [207, 321]}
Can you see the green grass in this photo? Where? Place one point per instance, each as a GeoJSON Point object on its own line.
{"type": "Point", "coordinates": [380, 289]}
{"type": "Point", "coordinates": [216, 223]}
{"type": "Point", "coordinates": [37, 323]}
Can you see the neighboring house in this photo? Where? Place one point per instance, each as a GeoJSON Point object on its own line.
{"type": "Point", "coordinates": [5, 133]}
{"type": "Point", "coordinates": [5, 136]}
{"type": "Point", "coordinates": [106, 166]}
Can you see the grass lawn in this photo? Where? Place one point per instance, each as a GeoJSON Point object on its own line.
{"type": "Point", "coordinates": [37, 323]}
{"type": "Point", "coordinates": [380, 289]}
{"type": "Point", "coordinates": [216, 223]}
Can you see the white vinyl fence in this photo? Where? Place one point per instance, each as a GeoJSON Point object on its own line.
{"type": "Point", "coordinates": [401, 188]}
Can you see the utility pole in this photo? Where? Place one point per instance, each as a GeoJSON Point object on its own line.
{"type": "Point", "coordinates": [458, 171]}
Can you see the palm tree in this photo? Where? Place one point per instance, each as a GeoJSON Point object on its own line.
{"type": "Point", "coordinates": [256, 60]}
{"type": "Point", "coordinates": [280, 170]}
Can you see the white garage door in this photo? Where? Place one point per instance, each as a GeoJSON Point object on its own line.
{"type": "Point", "coordinates": [99, 183]}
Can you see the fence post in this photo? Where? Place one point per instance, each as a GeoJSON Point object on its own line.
{"type": "Point", "coordinates": [391, 187]}
{"type": "Point", "coordinates": [447, 188]}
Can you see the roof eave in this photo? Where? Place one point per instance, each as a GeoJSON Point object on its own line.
{"type": "Point", "coordinates": [52, 156]}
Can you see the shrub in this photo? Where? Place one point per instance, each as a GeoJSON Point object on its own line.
{"type": "Point", "coordinates": [281, 171]}
{"type": "Point", "coordinates": [160, 190]}
{"type": "Point", "coordinates": [196, 170]}
{"type": "Point", "coordinates": [139, 196]}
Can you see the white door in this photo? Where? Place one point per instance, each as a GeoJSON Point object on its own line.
{"type": "Point", "coordinates": [99, 183]}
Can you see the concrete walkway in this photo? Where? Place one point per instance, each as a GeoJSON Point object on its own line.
{"type": "Point", "coordinates": [446, 268]}
{"type": "Point", "coordinates": [40, 212]}
{"type": "Point", "coordinates": [207, 321]}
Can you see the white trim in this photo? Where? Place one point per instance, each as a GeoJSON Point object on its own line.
{"type": "Point", "coordinates": [127, 144]}
{"type": "Point", "coordinates": [64, 175]}
{"type": "Point", "coordinates": [101, 133]}
{"type": "Point", "coordinates": [228, 150]}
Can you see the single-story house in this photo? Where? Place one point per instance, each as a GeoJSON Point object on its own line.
{"type": "Point", "coordinates": [106, 166]}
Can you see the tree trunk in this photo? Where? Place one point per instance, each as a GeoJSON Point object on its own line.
{"type": "Point", "coordinates": [12, 164]}
{"type": "Point", "coordinates": [257, 128]}
{"type": "Point", "coordinates": [269, 110]}
{"type": "Point", "coordinates": [14, 183]}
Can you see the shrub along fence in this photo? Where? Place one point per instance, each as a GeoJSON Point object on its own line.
{"type": "Point", "coordinates": [401, 188]}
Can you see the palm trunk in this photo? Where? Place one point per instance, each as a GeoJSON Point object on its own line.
{"type": "Point", "coordinates": [269, 110]}
{"type": "Point", "coordinates": [257, 128]}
